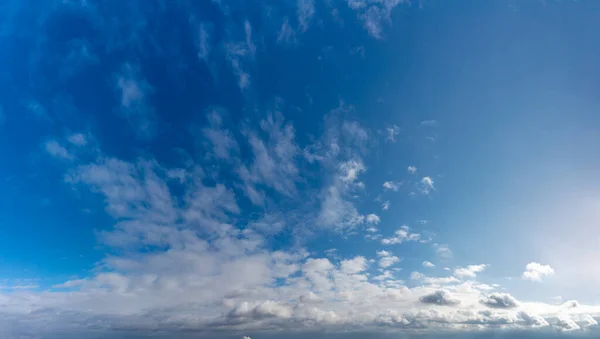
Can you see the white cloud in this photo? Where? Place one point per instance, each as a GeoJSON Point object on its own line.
{"type": "Point", "coordinates": [386, 259]}
{"type": "Point", "coordinates": [565, 324]}
{"type": "Point", "coordinates": [428, 264]}
{"type": "Point", "coordinates": [444, 251]}
{"type": "Point", "coordinates": [385, 205]}
{"type": "Point", "coordinates": [429, 123]}
{"type": "Point", "coordinates": [202, 37]}
{"type": "Point", "coordinates": [57, 150]}
{"type": "Point", "coordinates": [469, 271]}
{"type": "Point", "coordinates": [354, 265]}
{"type": "Point", "coordinates": [220, 139]}
{"type": "Point", "coordinates": [306, 10]}
{"type": "Point", "coordinates": [427, 185]}
{"type": "Point", "coordinates": [286, 32]}
{"type": "Point", "coordinates": [373, 219]}
{"type": "Point", "coordinates": [77, 139]}
{"type": "Point", "coordinates": [392, 132]}
{"type": "Point", "coordinates": [349, 172]}
{"type": "Point", "coordinates": [537, 272]}
{"type": "Point", "coordinates": [388, 185]}
{"type": "Point", "coordinates": [400, 236]}
{"type": "Point", "coordinates": [374, 14]}
{"type": "Point", "coordinates": [274, 163]}
{"type": "Point", "coordinates": [337, 212]}
{"type": "Point", "coordinates": [412, 169]}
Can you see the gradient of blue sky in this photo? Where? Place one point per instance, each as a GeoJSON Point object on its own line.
{"type": "Point", "coordinates": [381, 166]}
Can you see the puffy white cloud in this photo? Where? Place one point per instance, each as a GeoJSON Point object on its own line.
{"type": "Point", "coordinates": [389, 185]}
{"type": "Point", "coordinates": [350, 170]}
{"type": "Point", "coordinates": [537, 272]}
{"type": "Point", "coordinates": [469, 271]}
{"type": "Point", "coordinates": [354, 265]}
{"type": "Point", "coordinates": [385, 205]}
{"type": "Point", "coordinates": [427, 185]}
{"type": "Point", "coordinates": [400, 236]}
{"type": "Point", "coordinates": [387, 259]}
{"type": "Point", "coordinates": [412, 169]}
{"type": "Point", "coordinates": [564, 323]}
{"type": "Point", "coordinates": [500, 300]}
{"type": "Point", "coordinates": [428, 264]}
{"type": "Point", "coordinates": [373, 219]}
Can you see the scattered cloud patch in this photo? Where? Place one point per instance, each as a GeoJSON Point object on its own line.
{"type": "Point", "coordinates": [391, 186]}
{"type": "Point", "coordinates": [391, 132]}
{"type": "Point", "coordinates": [427, 185]}
{"type": "Point", "coordinates": [412, 170]}
{"type": "Point", "coordinates": [57, 150]}
{"type": "Point", "coordinates": [427, 264]}
{"type": "Point", "coordinates": [373, 219]}
{"type": "Point", "coordinates": [537, 272]}
{"type": "Point", "coordinates": [400, 236]}
{"type": "Point", "coordinates": [386, 259]}
{"type": "Point", "coordinates": [469, 271]}
{"type": "Point", "coordinates": [77, 139]}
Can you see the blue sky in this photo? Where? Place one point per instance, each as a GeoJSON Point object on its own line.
{"type": "Point", "coordinates": [268, 168]}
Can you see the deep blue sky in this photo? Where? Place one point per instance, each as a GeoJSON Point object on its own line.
{"type": "Point", "coordinates": [299, 160]}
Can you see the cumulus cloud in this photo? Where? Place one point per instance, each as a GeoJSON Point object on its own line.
{"type": "Point", "coordinates": [387, 259]}
{"type": "Point", "coordinates": [389, 185]}
{"type": "Point", "coordinates": [400, 236]}
{"type": "Point", "coordinates": [412, 169]}
{"type": "Point", "coordinates": [469, 271]}
{"type": "Point", "coordinates": [349, 172]}
{"type": "Point", "coordinates": [537, 272]}
{"type": "Point", "coordinates": [440, 297]}
{"type": "Point", "coordinates": [500, 300]}
{"type": "Point", "coordinates": [385, 205]}
{"type": "Point", "coordinates": [427, 185]}
{"type": "Point", "coordinates": [428, 264]}
{"type": "Point", "coordinates": [354, 265]}
{"type": "Point", "coordinates": [373, 219]}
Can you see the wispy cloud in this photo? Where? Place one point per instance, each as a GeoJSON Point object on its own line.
{"type": "Point", "coordinates": [134, 92]}
{"type": "Point", "coordinates": [57, 150]}
{"type": "Point", "coordinates": [306, 10]}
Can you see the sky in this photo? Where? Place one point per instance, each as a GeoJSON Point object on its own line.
{"type": "Point", "coordinates": [295, 169]}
